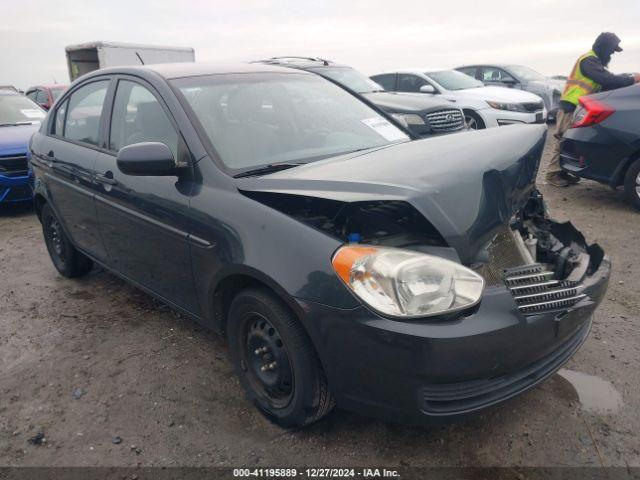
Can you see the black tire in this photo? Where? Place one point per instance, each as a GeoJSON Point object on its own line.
{"type": "Point", "coordinates": [632, 184]}
{"type": "Point", "coordinates": [65, 257]}
{"type": "Point", "coordinates": [294, 392]}
{"type": "Point", "coordinates": [473, 120]}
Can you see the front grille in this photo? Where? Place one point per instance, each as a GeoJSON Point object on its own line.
{"type": "Point", "coordinates": [503, 254]}
{"type": "Point", "coordinates": [533, 106]}
{"type": "Point", "coordinates": [536, 291]}
{"type": "Point", "coordinates": [463, 397]}
{"type": "Point", "coordinates": [445, 120]}
{"type": "Point", "coordinates": [13, 165]}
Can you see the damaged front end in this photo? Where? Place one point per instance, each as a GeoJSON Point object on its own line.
{"type": "Point", "coordinates": [547, 266]}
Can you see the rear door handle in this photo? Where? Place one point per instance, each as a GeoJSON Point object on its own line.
{"type": "Point", "coordinates": [105, 180]}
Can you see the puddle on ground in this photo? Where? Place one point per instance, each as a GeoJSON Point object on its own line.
{"type": "Point", "coordinates": [595, 394]}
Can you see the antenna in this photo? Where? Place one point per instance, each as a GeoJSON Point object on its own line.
{"type": "Point", "coordinates": [54, 78]}
{"type": "Point", "coordinates": [140, 58]}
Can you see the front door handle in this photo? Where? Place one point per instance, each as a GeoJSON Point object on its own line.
{"type": "Point", "coordinates": [105, 179]}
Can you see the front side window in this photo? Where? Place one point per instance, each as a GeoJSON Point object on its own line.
{"type": "Point", "coordinates": [386, 81]}
{"type": "Point", "coordinates": [139, 117]}
{"type": "Point", "coordinates": [82, 122]}
{"type": "Point", "coordinates": [261, 119]}
{"type": "Point", "coordinates": [410, 83]}
{"type": "Point", "coordinates": [493, 74]}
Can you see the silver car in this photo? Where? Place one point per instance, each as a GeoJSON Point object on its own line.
{"type": "Point", "coordinates": [519, 76]}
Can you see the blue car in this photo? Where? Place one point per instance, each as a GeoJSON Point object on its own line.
{"type": "Point", "coordinates": [19, 119]}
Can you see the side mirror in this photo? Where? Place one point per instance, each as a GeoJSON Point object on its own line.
{"type": "Point", "coordinates": [509, 82]}
{"type": "Point", "coordinates": [427, 89]}
{"type": "Point", "coordinates": [147, 158]}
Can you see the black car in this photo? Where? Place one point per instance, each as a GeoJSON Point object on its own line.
{"type": "Point", "coordinates": [345, 263]}
{"type": "Point", "coordinates": [604, 143]}
{"type": "Point", "coordinates": [424, 115]}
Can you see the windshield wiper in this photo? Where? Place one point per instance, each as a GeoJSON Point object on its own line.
{"type": "Point", "coordinates": [271, 168]}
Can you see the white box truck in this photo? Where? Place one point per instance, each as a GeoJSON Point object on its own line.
{"type": "Point", "coordinates": [86, 57]}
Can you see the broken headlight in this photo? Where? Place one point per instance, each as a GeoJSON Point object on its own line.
{"type": "Point", "coordinates": [404, 283]}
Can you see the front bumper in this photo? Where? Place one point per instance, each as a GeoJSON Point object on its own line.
{"type": "Point", "coordinates": [421, 372]}
{"type": "Point", "coordinates": [15, 189]}
{"type": "Point", "coordinates": [493, 117]}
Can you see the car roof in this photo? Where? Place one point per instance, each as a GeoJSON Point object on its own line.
{"type": "Point", "coordinates": [50, 87]}
{"type": "Point", "coordinates": [192, 69]}
{"type": "Point", "coordinates": [301, 63]}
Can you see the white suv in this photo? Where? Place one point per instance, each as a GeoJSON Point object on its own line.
{"type": "Point", "coordinates": [483, 107]}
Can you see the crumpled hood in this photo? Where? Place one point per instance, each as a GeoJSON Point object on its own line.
{"type": "Point", "coordinates": [467, 185]}
{"type": "Point", "coordinates": [15, 140]}
{"type": "Point", "coordinates": [408, 102]}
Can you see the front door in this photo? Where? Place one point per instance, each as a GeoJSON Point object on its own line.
{"type": "Point", "coordinates": [144, 220]}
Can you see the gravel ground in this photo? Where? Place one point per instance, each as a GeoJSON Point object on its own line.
{"type": "Point", "coordinates": [111, 377]}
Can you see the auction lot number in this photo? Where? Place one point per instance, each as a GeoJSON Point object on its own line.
{"type": "Point", "coordinates": [315, 472]}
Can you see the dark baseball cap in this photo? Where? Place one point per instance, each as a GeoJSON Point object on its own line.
{"type": "Point", "coordinates": [609, 38]}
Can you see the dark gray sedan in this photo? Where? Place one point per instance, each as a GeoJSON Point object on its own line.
{"type": "Point", "coordinates": [345, 263]}
{"type": "Point", "coordinates": [522, 77]}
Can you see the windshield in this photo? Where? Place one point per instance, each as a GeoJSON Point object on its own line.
{"type": "Point", "coordinates": [18, 109]}
{"type": "Point", "coordinates": [262, 119]}
{"type": "Point", "coordinates": [56, 92]}
{"type": "Point", "coordinates": [350, 78]}
{"type": "Point", "coordinates": [525, 73]}
{"type": "Point", "coordinates": [454, 80]}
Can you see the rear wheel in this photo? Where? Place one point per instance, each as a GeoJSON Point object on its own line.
{"type": "Point", "coordinates": [473, 120]}
{"type": "Point", "coordinates": [65, 257]}
{"type": "Point", "coordinates": [632, 184]}
{"type": "Point", "coordinates": [275, 360]}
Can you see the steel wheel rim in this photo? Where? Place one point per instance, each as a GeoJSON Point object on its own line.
{"type": "Point", "coordinates": [471, 122]}
{"type": "Point", "coordinates": [638, 185]}
{"type": "Point", "coordinates": [55, 232]}
{"type": "Point", "coordinates": [266, 361]}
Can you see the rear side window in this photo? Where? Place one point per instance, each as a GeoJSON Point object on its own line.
{"type": "Point", "coordinates": [471, 71]}
{"type": "Point", "coordinates": [58, 124]}
{"type": "Point", "coordinates": [42, 97]}
{"type": "Point", "coordinates": [82, 122]}
{"type": "Point", "coordinates": [32, 95]}
{"type": "Point", "coordinates": [139, 117]}
{"type": "Point", "coordinates": [386, 81]}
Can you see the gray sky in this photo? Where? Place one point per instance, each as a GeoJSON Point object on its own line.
{"type": "Point", "coordinates": [372, 35]}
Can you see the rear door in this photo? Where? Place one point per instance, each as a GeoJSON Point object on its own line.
{"type": "Point", "coordinates": [69, 155]}
{"type": "Point", "coordinates": [144, 220]}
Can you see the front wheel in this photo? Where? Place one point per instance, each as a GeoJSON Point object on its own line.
{"type": "Point", "coordinates": [275, 360]}
{"type": "Point", "coordinates": [473, 120]}
{"type": "Point", "coordinates": [65, 257]}
{"type": "Point", "coordinates": [632, 184]}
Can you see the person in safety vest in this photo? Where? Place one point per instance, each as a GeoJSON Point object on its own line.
{"type": "Point", "coordinates": [589, 75]}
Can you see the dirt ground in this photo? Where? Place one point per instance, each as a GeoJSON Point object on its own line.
{"type": "Point", "coordinates": [111, 377]}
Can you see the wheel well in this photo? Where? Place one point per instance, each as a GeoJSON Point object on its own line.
{"type": "Point", "coordinates": [229, 287]}
{"type": "Point", "coordinates": [39, 202]}
{"type": "Point", "coordinates": [475, 114]}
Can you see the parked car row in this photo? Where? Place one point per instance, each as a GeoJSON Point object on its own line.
{"type": "Point", "coordinates": [346, 264]}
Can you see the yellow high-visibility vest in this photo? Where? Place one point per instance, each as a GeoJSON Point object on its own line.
{"type": "Point", "coordinates": [578, 84]}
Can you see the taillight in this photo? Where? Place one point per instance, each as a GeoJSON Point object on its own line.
{"type": "Point", "coordinates": [591, 112]}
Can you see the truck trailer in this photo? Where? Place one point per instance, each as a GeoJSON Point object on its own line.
{"type": "Point", "coordinates": [86, 57]}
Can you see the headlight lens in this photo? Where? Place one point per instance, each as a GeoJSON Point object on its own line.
{"type": "Point", "coordinates": [408, 118]}
{"type": "Point", "coordinates": [404, 283]}
{"type": "Point", "coordinates": [513, 107]}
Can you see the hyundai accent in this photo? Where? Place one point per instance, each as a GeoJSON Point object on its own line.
{"type": "Point", "coordinates": [345, 263]}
